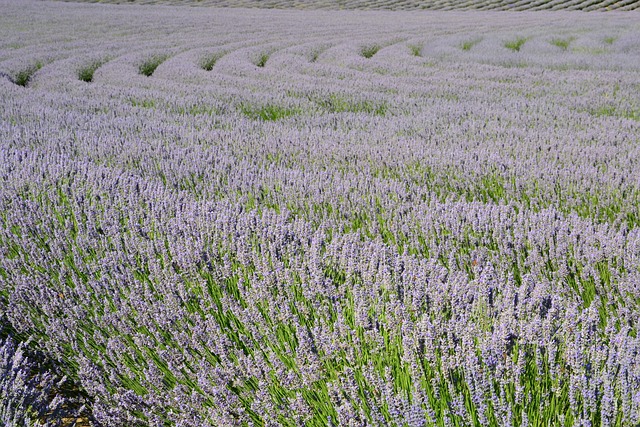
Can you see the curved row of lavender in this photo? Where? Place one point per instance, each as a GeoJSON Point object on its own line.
{"type": "Point", "coordinates": [262, 218]}
{"type": "Point", "coordinates": [400, 5]}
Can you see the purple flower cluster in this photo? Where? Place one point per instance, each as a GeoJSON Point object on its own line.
{"type": "Point", "coordinates": [262, 218]}
{"type": "Point", "coordinates": [27, 389]}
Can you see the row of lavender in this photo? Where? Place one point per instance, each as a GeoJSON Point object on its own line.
{"type": "Point", "coordinates": [403, 5]}
{"type": "Point", "coordinates": [279, 218]}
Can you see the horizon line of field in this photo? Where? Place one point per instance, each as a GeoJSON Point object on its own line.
{"type": "Point", "coordinates": [402, 6]}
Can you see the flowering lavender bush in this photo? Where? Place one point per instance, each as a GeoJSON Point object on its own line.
{"type": "Point", "coordinates": [28, 391]}
{"type": "Point", "coordinates": [255, 218]}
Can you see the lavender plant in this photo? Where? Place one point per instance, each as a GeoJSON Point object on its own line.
{"type": "Point", "coordinates": [27, 389]}
{"type": "Point", "coordinates": [449, 238]}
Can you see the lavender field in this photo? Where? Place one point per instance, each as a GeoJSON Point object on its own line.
{"type": "Point", "coordinates": [244, 217]}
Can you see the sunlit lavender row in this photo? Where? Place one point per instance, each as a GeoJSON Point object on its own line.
{"type": "Point", "coordinates": [400, 5]}
{"type": "Point", "coordinates": [220, 217]}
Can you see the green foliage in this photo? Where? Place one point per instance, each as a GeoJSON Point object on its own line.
{"type": "Point", "coordinates": [562, 43]}
{"type": "Point", "coordinates": [610, 39]}
{"type": "Point", "coordinates": [23, 77]}
{"type": "Point", "coordinates": [148, 67]}
{"type": "Point", "coordinates": [613, 111]}
{"type": "Point", "coordinates": [339, 104]}
{"type": "Point", "coordinates": [142, 103]}
{"type": "Point", "coordinates": [269, 112]}
{"type": "Point", "coordinates": [262, 60]}
{"type": "Point", "coordinates": [86, 73]}
{"type": "Point", "coordinates": [516, 44]}
{"type": "Point", "coordinates": [314, 54]}
{"type": "Point", "coordinates": [370, 50]}
{"type": "Point", "coordinates": [467, 45]}
{"type": "Point", "coordinates": [415, 50]}
{"type": "Point", "coordinates": [207, 63]}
